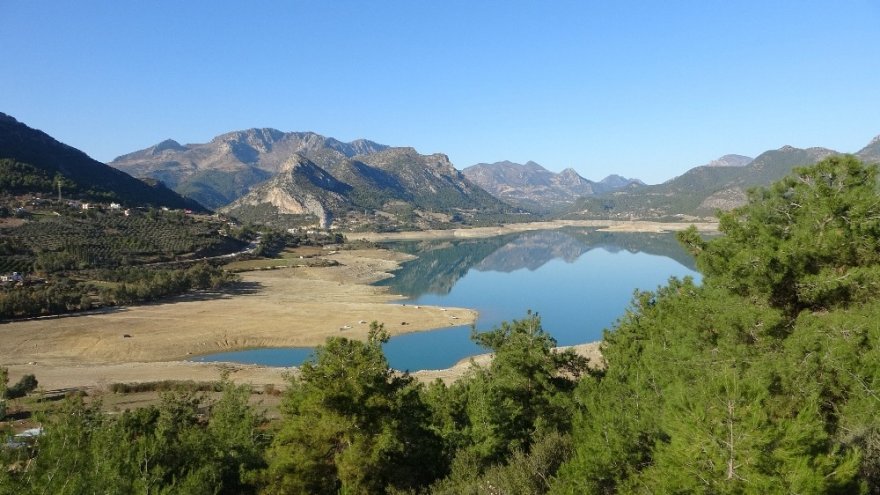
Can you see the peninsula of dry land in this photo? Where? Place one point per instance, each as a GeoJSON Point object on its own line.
{"type": "Point", "coordinates": [287, 307]}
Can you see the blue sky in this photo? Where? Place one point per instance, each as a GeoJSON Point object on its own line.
{"type": "Point", "coordinates": [643, 89]}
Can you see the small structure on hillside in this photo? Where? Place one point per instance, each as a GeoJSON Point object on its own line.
{"type": "Point", "coordinates": [15, 277]}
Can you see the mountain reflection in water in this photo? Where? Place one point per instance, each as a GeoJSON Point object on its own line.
{"type": "Point", "coordinates": [441, 264]}
{"type": "Point", "coordinates": [580, 281]}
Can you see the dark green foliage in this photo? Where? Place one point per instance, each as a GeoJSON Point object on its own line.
{"type": "Point", "coordinates": [809, 241]}
{"type": "Point", "coordinates": [371, 187]}
{"type": "Point", "coordinates": [165, 386]}
{"type": "Point", "coordinates": [166, 449]}
{"type": "Point", "coordinates": [268, 215]}
{"type": "Point", "coordinates": [526, 388]}
{"type": "Point", "coordinates": [764, 378]}
{"type": "Point", "coordinates": [76, 240]}
{"type": "Point", "coordinates": [129, 285]}
{"type": "Point", "coordinates": [523, 473]}
{"type": "Point", "coordinates": [272, 242]}
{"type": "Point", "coordinates": [506, 425]}
{"type": "Point", "coordinates": [17, 178]}
{"type": "Point", "coordinates": [26, 385]}
{"type": "Point", "coordinates": [74, 251]}
{"type": "Point", "coordinates": [351, 425]}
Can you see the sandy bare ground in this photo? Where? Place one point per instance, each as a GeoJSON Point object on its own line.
{"type": "Point", "coordinates": [479, 232]}
{"type": "Point", "coordinates": [590, 351]}
{"type": "Point", "coordinates": [289, 307]}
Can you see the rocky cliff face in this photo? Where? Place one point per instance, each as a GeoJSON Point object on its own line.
{"type": "Point", "coordinates": [220, 171]}
{"type": "Point", "coordinates": [299, 188]}
{"type": "Point", "coordinates": [260, 174]}
{"type": "Point", "coordinates": [390, 188]}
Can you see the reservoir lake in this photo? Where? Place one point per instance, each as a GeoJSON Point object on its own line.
{"type": "Point", "coordinates": [580, 281]}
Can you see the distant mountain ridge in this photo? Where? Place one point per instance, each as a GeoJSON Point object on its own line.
{"type": "Point", "coordinates": [699, 192]}
{"type": "Point", "coordinates": [871, 152]}
{"type": "Point", "coordinates": [730, 161]}
{"type": "Point", "coordinates": [533, 187]}
{"type": "Point", "coordinates": [38, 159]}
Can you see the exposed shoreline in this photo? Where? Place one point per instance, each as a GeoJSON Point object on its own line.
{"type": "Point", "coordinates": [511, 228]}
{"type": "Point", "coordinates": [289, 307]}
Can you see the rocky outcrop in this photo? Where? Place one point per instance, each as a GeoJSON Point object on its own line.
{"type": "Point", "coordinates": [224, 169]}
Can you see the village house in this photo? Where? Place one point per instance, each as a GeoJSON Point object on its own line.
{"type": "Point", "coordinates": [15, 277]}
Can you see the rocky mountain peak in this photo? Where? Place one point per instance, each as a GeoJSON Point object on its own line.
{"type": "Point", "coordinates": [571, 178]}
{"type": "Point", "coordinates": [168, 144]}
{"type": "Point", "coordinates": [295, 161]}
{"type": "Point", "coordinates": [731, 161]}
{"type": "Point", "coordinates": [613, 179]}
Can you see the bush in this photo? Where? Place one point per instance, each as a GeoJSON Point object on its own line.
{"type": "Point", "coordinates": [165, 386]}
{"type": "Point", "coordinates": [27, 384]}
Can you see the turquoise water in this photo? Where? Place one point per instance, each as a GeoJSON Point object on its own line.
{"type": "Point", "coordinates": [578, 281]}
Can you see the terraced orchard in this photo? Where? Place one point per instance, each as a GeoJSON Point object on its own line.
{"type": "Point", "coordinates": [72, 240]}
{"type": "Point", "coordinates": [75, 260]}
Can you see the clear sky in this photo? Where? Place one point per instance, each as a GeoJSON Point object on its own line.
{"type": "Point", "coordinates": [643, 89]}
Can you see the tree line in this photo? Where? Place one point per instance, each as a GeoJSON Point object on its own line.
{"type": "Point", "coordinates": [126, 286]}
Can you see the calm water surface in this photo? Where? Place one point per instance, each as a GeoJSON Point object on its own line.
{"type": "Point", "coordinates": [578, 281]}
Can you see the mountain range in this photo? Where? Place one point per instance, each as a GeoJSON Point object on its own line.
{"type": "Point", "coordinates": [222, 170]}
{"type": "Point", "coordinates": [289, 177]}
{"type": "Point", "coordinates": [31, 161]}
{"type": "Point", "coordinates": [265, 175]}
{"type": "Point", "coordinates": [533, 187]}
{"type": "Point", "coordinates": [719, 185]}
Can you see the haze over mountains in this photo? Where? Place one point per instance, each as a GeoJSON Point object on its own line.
{"type": "Point", "coordinates": [699, 192]}
{"type": "Point", "coordinates": [535, 188]}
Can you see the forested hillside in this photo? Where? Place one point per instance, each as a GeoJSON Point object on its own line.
{"type": "Point", "coordinates": [31, 161]}
{"type": "Point", "coordinates": [763, 379]}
